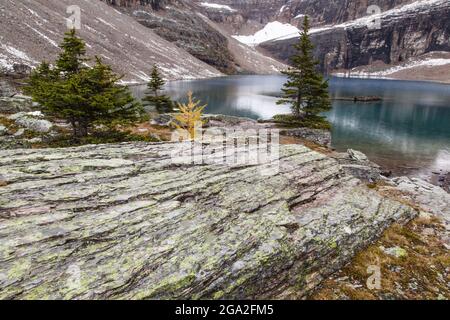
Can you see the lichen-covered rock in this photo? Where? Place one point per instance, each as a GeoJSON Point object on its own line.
{"type": "Point", "coordinates": [358, 165]}
{"type": "Point", "coordinates": [357, 155]}
{"type": "Point", "coordinates": [7, 89]}
{"type": "Point", "coordinates": [395, 252]}
{"type": "Point", "coordinates": [32, 121]}
{"type": "Point", "coordinates": [428, 197]}
{"type": "Point", "coordinates": [321, 137]}
{"type": "Point", "coordinates": [15, 104]}
{"type": "Point", "coordinates": [123, 221]}
{"type": "Point", "coordinates": [19, 133]}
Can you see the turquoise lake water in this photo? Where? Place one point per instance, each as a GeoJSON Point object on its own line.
{"type": "Point", "coordinates": [408, 130]}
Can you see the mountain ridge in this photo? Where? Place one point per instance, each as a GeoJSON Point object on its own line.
{"type": "Point", "coordinates": [32, 30]}
{"type": "Point", "coordinates": [345, 33]}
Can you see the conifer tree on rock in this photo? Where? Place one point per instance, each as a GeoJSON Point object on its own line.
{"type": "Point", "coordinates": [83, 96]}
{"type": "Point", "coordinates": [305, 90]}
{"type": "Point", "coordinates": [72, 58]}
{"type": "Point", "coordinates": [162, 103]}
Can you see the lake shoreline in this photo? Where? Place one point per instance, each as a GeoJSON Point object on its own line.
{"type": "Point", "coordinates": [445, 82]}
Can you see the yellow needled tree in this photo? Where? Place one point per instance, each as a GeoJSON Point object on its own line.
{"type": "Point", "coordinates": [190, 116]}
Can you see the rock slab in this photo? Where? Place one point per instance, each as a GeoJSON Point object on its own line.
{"type": "Point", "coordinates": [124, 222]}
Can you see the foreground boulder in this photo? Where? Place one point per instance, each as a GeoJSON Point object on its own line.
{"type": "Point", "coordinates": [123, 221]}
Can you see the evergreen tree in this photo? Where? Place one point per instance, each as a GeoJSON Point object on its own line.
{"type": "Point", "coordinates": [305, 90]}
{"type": "Point", "coordinates": [41, 82]}
{"type": "Point", "coordinates": [162, 103]}
{"type": "Point", "coordinates": [156, 83]}
{"type": "Point", "coordinates": [72, 58]}
{"type": "Point", "coordinates": [83, 96]}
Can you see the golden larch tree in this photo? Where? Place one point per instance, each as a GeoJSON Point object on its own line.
{"type": "Point", "coordinates": [190, 115]}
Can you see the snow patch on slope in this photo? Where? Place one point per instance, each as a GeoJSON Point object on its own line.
{"type": "Point", "coordinates": [217, 6]}
{"type": "Point", "coordinates": [278, 31]}
{"type": "Point", "coordinates": [385, 74]}
{"type": "Point", "coordinates": [272, 30]}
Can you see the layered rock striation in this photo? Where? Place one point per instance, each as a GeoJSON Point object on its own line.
{"type": "Point", "coordinates": [124, 221]}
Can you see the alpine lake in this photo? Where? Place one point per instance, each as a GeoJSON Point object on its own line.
{"type": "Point", "coordinates": [406, 131]}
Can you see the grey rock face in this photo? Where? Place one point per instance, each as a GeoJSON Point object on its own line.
{"type": "Point", "coordinates": [188, 31]}
{"type": "Point", "coordinates": [322, 137]}
{"type": "Point", "coordinates": [32, 121]}
{"type": "Point", "coordinates": [401, 36]}
{"type": "Point", "coordinates": [358, 165]}
{"type": "Point", "coordinates": [428, 197]}
{"type": "Point", "coordinates": [181, 22]}
{"type": "Point", "coordinates": [122, 221]}
{"type": "Point", "coordinates": [336, 11]}
{"type": "Point", "coordinates": [247, 12]}
{"type": "Point", "coordinates": [7, 89]}
{"type": "Point", "coordinates": [15, 104]}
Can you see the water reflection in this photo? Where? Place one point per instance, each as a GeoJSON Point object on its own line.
{"type": "Point", "coordinates": [409, 128]}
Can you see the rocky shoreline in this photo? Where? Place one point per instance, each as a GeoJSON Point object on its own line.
{"type": "Point", "coordinates": [23, 126]}
{"type": "Point", "coordinates": [135, 225]}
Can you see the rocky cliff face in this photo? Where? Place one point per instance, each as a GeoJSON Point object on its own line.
{"type": "Point", "coordinates": [249, 14]}
{"type": "Point", "coordinates": [326, 12]}
{"type": "Point", "coordinates": [182, 23]}
{"type": "Point", "coordinates": [403, 34]}
{"type": "Point", "coordinates": [176, 22]}
{"type": "Point", "coordinates": [409, 28]}
{"type": "Point", "coordinates": [246, 15]}
{"type": "Point", "coordinates": [123, 221]}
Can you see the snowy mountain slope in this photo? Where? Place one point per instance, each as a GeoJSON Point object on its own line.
{"type": "Point", "coordinates": [433, 66]}
{"type": "Point", "coordinates": [249, 16]}
{"type": "Point", "coordinates": [272, 30]}
{"type": "Point", "coordinates": [406, 32]}
{"type": "Point", "coordinates": [32, 29]}
{"type": "Point", "coordinates": [275, 30]}
{"type": "Point", "coordinates": [397, 13]}
{"type": "Point", "coordinates": [248, 58]}
{"type": "Point", "coordinates": [182, 23]}
{"type": "Point", "coordinates": [216, 6]}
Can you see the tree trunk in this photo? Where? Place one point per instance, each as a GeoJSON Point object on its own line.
{"type": "Point", "coordinates": [299, 103]}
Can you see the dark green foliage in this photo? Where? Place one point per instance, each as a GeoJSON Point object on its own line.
{"type": "Point", "coordinates": [294, 121]}
{"type": "Point", "coordinates": [85, 97]}
{"type": "Point", "coordinates": [305, 90]}
{"type": "Point", "coordinates": [40, 83]}
{"type": "Point", "coordinates": [70, 60]}
{"type": "Point", "coordinates": [162, 103]}
{"type": "Point", "coordinates": [156, 82]}
{"type": "Point", "coordinates": [99, 137]}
